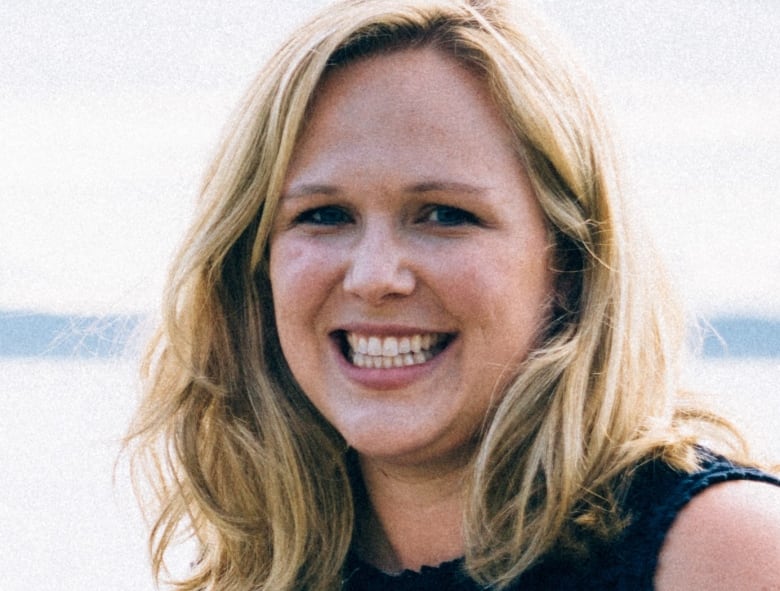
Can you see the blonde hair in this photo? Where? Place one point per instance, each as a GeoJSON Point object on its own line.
{"type": "Point", "coordinates": [237, 453]}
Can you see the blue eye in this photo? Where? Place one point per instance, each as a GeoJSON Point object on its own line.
{"type": "Point", "coordinates": [445, 215]}
{"type": "Point", "coordinates": [324, 216]}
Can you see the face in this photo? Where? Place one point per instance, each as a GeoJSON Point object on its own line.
{"type": "Point", "coordinates": [409, 260]}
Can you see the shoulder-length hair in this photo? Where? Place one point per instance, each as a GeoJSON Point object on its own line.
{"type": "Point", "coordinates": [238, 455]}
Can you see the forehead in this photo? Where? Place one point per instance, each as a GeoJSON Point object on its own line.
{"type": "Point", "coordinates": [389, 98]}
{"type": "Point", "coordinates": [426, 69]}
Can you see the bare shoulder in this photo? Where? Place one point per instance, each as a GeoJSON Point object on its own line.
{"type": "Point", "coordinates": [727, 537]}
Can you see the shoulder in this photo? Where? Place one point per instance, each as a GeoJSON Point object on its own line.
{"type": "Point", "coordinates": [726, 537]}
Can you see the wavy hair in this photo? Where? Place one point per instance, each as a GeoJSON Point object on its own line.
{"type": "Point", "coordinates": [237, 455]}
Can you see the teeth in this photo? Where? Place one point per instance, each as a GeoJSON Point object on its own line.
{"type": "Point", "coordinates": [374, 346]}
{"type": "Point", "coordinates": [388, 352]}
{"type": "Point", "coordinates": [390, 347]}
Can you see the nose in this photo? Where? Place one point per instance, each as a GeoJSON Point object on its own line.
{"type": "Point", "coordinates": [379, 266]}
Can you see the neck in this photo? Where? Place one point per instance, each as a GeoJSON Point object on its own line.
{"type": "Point", "coordinates": [410, 517]}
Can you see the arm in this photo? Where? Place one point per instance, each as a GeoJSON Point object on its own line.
{"type": "Point", "coordinates": [727, 538]}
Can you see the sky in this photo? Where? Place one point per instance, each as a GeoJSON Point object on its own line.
{"type": "Point", "coordinates": [110, 112]}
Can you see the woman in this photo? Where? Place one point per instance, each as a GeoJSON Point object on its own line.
{"type": "Point", "coordinates": [411, 340]}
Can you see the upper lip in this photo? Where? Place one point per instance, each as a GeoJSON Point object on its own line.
{"type": "Point", "coordinates": [388, 330]}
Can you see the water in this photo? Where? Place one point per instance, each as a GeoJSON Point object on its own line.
{"type": "Point", "coordinates": [67, 525]}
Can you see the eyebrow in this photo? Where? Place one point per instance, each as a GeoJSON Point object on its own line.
{"type": "Point", "coordinates": [307, 189]}
{"type": "Point", "coordinates": [446, 186]}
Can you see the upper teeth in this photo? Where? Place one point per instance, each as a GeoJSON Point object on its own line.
{"type": "Point", "coordinates": [391, 346]}
{"type": "Point", "coordinates": [386, 352]}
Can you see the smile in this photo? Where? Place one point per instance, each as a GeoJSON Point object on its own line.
{"type": "Point", "coordinates": [386, 352]}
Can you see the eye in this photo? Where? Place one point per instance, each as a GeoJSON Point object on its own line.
{"type": "Point", "coordinates": [446, 215]}
{"type": "Point", "coordinates": [329, 215]}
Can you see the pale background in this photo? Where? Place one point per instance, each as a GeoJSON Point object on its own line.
{"type": "Point", "coordinates": [109, 113]}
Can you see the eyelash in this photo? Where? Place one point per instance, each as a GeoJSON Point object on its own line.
{"type": "Point", "coordinates": [324, 216]}
{"type": "Point", "coordinates": [461, 216]}
{"type": "Point", "coordinates": [331, 215]}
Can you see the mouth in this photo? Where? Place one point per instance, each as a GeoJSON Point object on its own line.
{"type": "Point", "coordinates": [387, 352]}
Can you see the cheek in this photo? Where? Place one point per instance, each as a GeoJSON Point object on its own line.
{"type": "Point", "coordinates": [506, 296]}
{"type": "Point", "coordinates": [287, 270]}
{"type": "Point", "coordinates": [302, 276]}
{"type": "Point", "coordinates": [493, 273]}
{"type": "Point", "coordinates": [282, 269]}
{"type": "Point", "coordinates": [292, 265]}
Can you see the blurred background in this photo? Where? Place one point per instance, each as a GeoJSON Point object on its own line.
{"type": "Point", "coordinates": [109, 114]}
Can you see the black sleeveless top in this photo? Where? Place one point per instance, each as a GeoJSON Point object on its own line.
{"type": "Point", "coordinates": [657, 495]}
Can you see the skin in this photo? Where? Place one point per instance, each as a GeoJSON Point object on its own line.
{"type": "Point", "coordinates": [406, 210]}
{"type": "Point", "coordinates": [726, 539]}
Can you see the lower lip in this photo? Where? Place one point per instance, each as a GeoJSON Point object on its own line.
{"type": "Point", "coordinates": [392, 378]}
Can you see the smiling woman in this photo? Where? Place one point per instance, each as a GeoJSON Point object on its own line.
{"type": "Point", "coordinates": [407, 236]}
{"type": "Point", "coordinates": [411, 340]}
